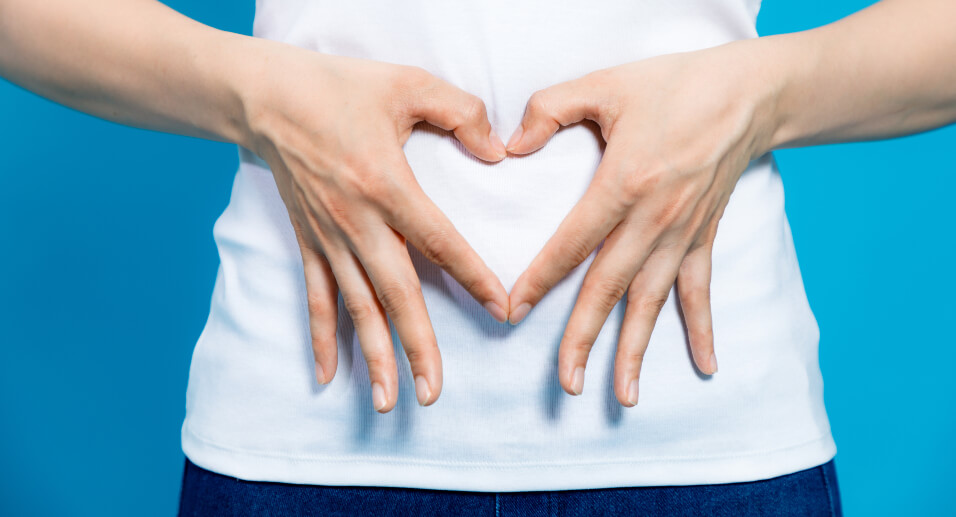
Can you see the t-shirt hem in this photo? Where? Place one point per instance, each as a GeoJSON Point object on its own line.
{"type": "Point", "coordinates": [504, 477]}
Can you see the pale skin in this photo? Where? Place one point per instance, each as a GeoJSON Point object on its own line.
{"type": "Point", "coordinates": [680, 129]}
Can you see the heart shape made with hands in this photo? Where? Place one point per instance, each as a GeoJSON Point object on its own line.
{"type": "Point", "coordinates": [679, 129]}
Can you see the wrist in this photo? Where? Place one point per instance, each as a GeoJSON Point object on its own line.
{"type": "Point", "coordinates": [236, 66]}
{"type": "Point", "coordinates": [786, 65]}
{"type": "Point", "coordinates": [258, 73]}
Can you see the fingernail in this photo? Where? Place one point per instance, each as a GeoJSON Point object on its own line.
{"type": "Point", "coordinates": [577, 380]}
{"type": "Point", "coordinates": [515, 138]}
{"type": "Point", "coordinates": [632, 393]}
{"type": "Point", "coordinates": [496, 311]}
{"type": "Point", "coordinates": [498, 145]}
{"type": "Point", "coordinates": [422, 390]}
{"type": "Point", "coordinates": [378, 396]}
{"type": "Point", "coordinates": [520, 313]}
{"type": "Point", "coordinates": [713, 362]}
{"type": "Point", "coordinates": [319, 373]}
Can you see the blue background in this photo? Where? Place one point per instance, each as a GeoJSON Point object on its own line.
{"type": "Point", "coordinates": [108, 265]}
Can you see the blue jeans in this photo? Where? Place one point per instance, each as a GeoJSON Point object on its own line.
{"type": "Point", "coordinates": [813, 491]}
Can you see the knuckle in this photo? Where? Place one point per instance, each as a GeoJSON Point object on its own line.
{"type": "Point", "coordinates": [615, 198]}
{"type": "Point", "coordinates": [418, 73]}
{"type": "Point", "coordinates": [651, 304]}
{"type": "Point", "coordinates": [473, 110]}
{"type": "Point", "coordinates": [377, 361]}
{"type": "Point", "coordinates": [340, 214]}
{"type": "Point", "coordinates": [338, 210]}
{"type": "Point", "coordinates": [387, 202]}
{"type": "Point", "coordinates": [704, 337]}
{"type": "Point", "coordinates": [538, 284]}
{"type": "Point", "coordinates": [421, 353]}
{"type": "Point", "coordinates": [307, 243]}
{"type": "Point", "coordinates": [636, 186]}
{"type": "Point", "coordinates": [474, 283]}
{"type": "Point", "coordinates": [633, 355]}
{"type": "Point", "coordinates": [669, 213]}
{"type": "Point", "coordinates": [699, 244]}
{"type": "Point", "coordinates": [297, 228]}
{"type": "Point", "coordinates": [359, 307]}
{"type": "Point", "coordinates": [604, 79]}
{"type": "Point", "coordinates": [318, 304]}
{"type": "Point", "coordinates": [351, 182]}
{"type": "Point", "coordinates": [436, 246]}
{"type": "Point", "coordinates": [395, 297]}
{"type": "Point", "coordinates": [537, 103]}
{"type": "Point", "coordinates": [576, 343]}
{"type": "Point", "coordinates": [350, 164]}
{"type": "Point", "coordinates": [606, 83]}
{"type": "Point", "coordinates": [370, 186]}
{"type": "Point", "coordinates": [697, 294]}
{"type": "Point", "coordinates": [323, 342]}
{"type": "Point", "coordinates": [405, 87]}
{"type": "Point", "coordinates": [682, 208]}
{"type": "Point", "coordinates": [710, 233]}
{"type": "Point", "coordinates": [414, 78]}
{"type": "Point", "coordinates": [576, 249]}
{"type": "Point", "coordinates": [378, 189]}
{"type": "Point", "coordinates": [447, 112]}
{"type": "Point", "coordinates": [607, 291]}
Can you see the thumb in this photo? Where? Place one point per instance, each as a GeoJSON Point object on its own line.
{"type": "Point", "coordinates": [549, 109]}
{"type": "Point", "coordinates": [445, 105]}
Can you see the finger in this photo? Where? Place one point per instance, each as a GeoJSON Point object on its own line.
{"type": "Point", "coordinates": [693, 289]}
{"type": "Point", "coordinates": [556, 106]}
{"type": "Point", "coordinates": [322, 296]}
{"type": "Point", "coordinates": [442, 104]}
{"type": "Point", "coordinates": [415, 216]}
{"type": "Point", "coordinates": [646, 297]}
{"type": "Point", "coordinates": [603, 287]}
{"type": "Point", "coordinates": [371, 327]}
{"type": "Point", "coordinates": [588, 223]}
{"type": "Point", "coordinates": [368, 317]}
{"type": "Point", "coordinates": [385, 258]}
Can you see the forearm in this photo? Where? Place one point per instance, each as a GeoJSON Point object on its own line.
{"type": "Point", "coordinates": [135, 62]}
{"type": "Point", "coordinates": [885, 71]}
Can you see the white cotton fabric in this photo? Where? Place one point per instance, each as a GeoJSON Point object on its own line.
{"type": "Point", "coordinates": [502, 422]}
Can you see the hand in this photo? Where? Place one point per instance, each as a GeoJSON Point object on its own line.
{"type": "Point", "coordinates": [680, 129]}
{"type": "Point", "coordinates": [331, 129]}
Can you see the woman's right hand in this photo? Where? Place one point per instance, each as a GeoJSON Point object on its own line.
{"type": "Point", "coordinates": [331, 129]}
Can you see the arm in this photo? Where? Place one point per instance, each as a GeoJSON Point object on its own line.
{"type": "Point", "coordinates": [331, 129]}
{"type": "Point", "coordinates": [888, 70]}
{"type": "Point", "coordinates": [135, 62]}
{"type": "Point", "coordinates": [680, 130]}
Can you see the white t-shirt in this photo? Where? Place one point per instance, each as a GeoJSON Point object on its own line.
{"type": "Point", "coordinates": [502, 422]}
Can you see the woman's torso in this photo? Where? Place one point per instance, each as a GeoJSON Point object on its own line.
{"type": "Point", "coordinates": [502, 421]}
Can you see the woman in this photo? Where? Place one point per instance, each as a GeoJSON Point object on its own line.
{"type": "Point", "coordinates": [638, 125]}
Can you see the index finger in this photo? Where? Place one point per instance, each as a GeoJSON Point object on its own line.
{"type": "Point", "coordinates": [594, 216]}
{"type": "Point", "coordinates": [413, 214]}
{"type": "Point", "coordinates": [447, 106]}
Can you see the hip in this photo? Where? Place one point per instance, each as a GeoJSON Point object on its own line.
{"type": "Point", "coordinates": [811, 491]}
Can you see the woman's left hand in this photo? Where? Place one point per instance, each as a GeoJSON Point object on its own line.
{"type": "Point", "coordinates": [680, 129]}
